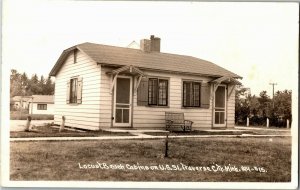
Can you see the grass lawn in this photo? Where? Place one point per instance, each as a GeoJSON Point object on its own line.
{"type": "Point", "coordinates": [15, 115]}
{"type": "Point", "coordinates": [47, 131]}
{"type": "Point", "coordinates": [59, 160]}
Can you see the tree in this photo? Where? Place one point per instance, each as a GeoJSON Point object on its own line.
{"type": "Point", "coordinates": [264, 104]}
{"type": "Point", "coordinates": [41, 84]}
{"type": "Point", "coordinates": [254, 105]}
{"type": "Point", "coordinates": [20, 85]}
{"type": "Point", "coordinates": [34, 85]}
{"type": "Point", "coordinates": [242, 108]}
{"type": "Point", "coordinates": [15, 85]}
{"type": "Point", "coordinates": [259, 108]}
{"type": "Point", "coordinates": [24, 83]}
{"type": "Point", "coordinates": [283, 104]}
{"type": "Point", "coordinates": [49, 87]}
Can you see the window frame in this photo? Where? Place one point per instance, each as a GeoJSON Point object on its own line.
{"type": "Point", "coordinates": [41, 107]}
{"type": "Point", "coordinates": [167, 90]}
{"type": "Point", "coordinates": [192, 83]}
{"type": "Point", "coordinates": [73, 97]}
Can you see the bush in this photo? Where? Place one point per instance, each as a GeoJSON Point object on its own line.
{"type": "Point", "coordinates": [17, 116]}
{"type": "Point", "coordinates": [257, 121]}
{"type": "Point", "coordinates": [262, 121]}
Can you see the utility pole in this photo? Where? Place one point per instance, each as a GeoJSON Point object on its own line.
{"type": "Point", "coordinates": [273, 84]}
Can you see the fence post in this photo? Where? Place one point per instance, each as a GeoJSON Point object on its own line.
{"type": "Point", "coordinates": [62, 126]}
{"type": "Point", "coordinates": [28, 123]}
{"type": "Point", "coordinates": [167, 145]}
{"type": "Point", "coordinates": [287, 123]}
{"type": "Point", "coordinates": [268, 122]}
{"type": "Point", "coordinates": [247, 121]}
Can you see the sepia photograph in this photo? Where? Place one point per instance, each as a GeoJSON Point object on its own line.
{"type": "Point", "coordinates": [143, 94]}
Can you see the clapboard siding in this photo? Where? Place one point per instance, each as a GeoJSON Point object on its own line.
{"type": "Point", "coordinates": [154, 117]}
{"type": "Point", "coordinates": [231, 110]}
{"type": "Point", "coordinates": [106, 99]}
{"type": "Point", "coordinates": [60, 110]}
{"type": "Point", "coordinates": [84, 115]}
{"type": "Point", "coordinates": [86, 79]}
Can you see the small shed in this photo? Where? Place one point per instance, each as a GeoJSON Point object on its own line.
{"type": "Point", "coordinates": [41, 104]}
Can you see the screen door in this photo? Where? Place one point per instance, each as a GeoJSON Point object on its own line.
{"type": "Point", "coordinates": [122, 102]}
{"type": "Point", "coordinates": [220, 107]}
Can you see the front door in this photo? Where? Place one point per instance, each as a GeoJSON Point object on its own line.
{"type": "Point", "coordinates": [220, 107]}
{"type": "Point", "coordinates": [122, 102]}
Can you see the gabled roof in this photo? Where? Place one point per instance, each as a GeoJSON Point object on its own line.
{"type": "Point", "coordinates": [18, 98]}
{"type": "Point", "coordinates": [120, 56]}
{"type": "Point", "coordinates": [43, 99]}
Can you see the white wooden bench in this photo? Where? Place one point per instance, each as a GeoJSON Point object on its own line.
{"type": "Point", "coordinates": [175, 121]}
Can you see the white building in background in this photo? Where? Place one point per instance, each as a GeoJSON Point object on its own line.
{"type": "Point", "coordinates": [19, 102]}
{"type": "Point", "coordinates": [41, 104]}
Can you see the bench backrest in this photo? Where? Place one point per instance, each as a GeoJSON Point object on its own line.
{"type": "Point", "coordinates": [176, 117]}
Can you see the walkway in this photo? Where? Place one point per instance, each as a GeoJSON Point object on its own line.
{"type": "Point", "coordinates": [19, 125]}
{"type": "Point", "coordinates": [139, 136]}
{"type": "Point", "coordinates": [265, 128]}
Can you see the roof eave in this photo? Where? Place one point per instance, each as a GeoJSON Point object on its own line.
{"type": "Point", "coordinates": [61, 60]}
{"type": "Point", "coordinates": [44, 102]}
{"type": "Point", "coordinates": [171, 71]}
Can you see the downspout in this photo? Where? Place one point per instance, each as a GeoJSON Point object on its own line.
{"type": "Point", "coordinates": [227, 98]}
{"type": "Point", "coordinates": [99, 96]}
{"type": "Point", "coordinates": [132, 98]}
{"type": "Point", "coordinates": [112, 103]}
{"type": "Point", "coordinates": [213, 104]}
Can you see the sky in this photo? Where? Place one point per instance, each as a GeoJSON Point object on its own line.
{"type": "Point", "coordinates": [258, 41]}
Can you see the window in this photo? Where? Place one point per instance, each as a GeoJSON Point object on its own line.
{"type": "Point", "coordinates": [42, 106]}
{"type": "Point", "coordinates": [191, 94]}
{"type": "Point", "coordinates": [73, 90]}
{"type": "Point", "coordinates": [75, 56]}
{"type": "Point", "coordinates": [158, 92]}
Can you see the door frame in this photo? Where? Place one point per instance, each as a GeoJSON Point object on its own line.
{"type": "Point", "coordinates": [130, 104]}
{"type": "Point", "coordinates": [225, 108]}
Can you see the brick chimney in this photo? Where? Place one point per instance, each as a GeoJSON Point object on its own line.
{"type": "Point", "coordinates": [152, 45]}
{"type": "Point", "coordinates": [145, 45]}
{"type": "Point", "coordinates": [155, 43]}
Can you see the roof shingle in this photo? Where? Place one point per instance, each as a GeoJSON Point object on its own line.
{"type": "Point", "coordinates": [43, 98]}
{"type": "Point", "coordinates": [112, 55]}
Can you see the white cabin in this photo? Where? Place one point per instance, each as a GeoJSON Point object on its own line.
{"type": "Point", "coordinates": [99, 86]}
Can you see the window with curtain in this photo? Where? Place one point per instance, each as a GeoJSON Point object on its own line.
{"type": "Point", "coordinates": [158, 92]}
{"type": "Point", "coordinates": [191, 94]}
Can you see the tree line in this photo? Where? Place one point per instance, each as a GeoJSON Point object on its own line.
{"type": "Point", "coordinates": [259, 108]}
{"type": "Point", "coordinates": [21, 85]}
